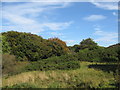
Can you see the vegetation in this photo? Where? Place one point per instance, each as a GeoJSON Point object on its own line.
{"type": "Point", "coordinates": [11, 66]}
{"type": "Point", "coordinates": [30, 47]}
{"type": "Point", "coordinates": [31, 61]}
{"type": "Point", "coordinates": [5, 45]}
{"type": "Point", "coordinates": [90, 51]}
{"type": "Point", "coordinates": [8, 63]}
{"type": "Point", "coordinates": [82, 77]}
{"type": "Point", "coordinates": [59, 46]}
{"type": "Point", "coordinates": [66, 62]}
{"type": "Point", "coordinates": [21, 85]}
{"type": "Point", "coordinates": [85, 44]}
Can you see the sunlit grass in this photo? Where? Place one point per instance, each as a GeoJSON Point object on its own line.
{"type": "Point", "coordinates": [82, 77]}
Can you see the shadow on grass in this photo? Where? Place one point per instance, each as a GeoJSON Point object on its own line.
{"type": "Point", "coordinates": [115, 68]}
{"type": "Point", "coordinates": [105, 67]}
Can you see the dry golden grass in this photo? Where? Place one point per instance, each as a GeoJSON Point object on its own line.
{"type": "Point", "coordinates": [63, 79]}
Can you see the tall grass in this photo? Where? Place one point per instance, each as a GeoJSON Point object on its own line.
{"type": "Point", "coordinates": [80, 78]}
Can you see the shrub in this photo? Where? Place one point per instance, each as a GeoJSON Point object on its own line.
{"type": "Point", "coordinates": [65, 62]}
{"type": "Point", "coordinates": [98, 55]}
{"type": "Point", "coordinates": [11, 66]}
{"type": "Point", "coordinates": [32, 47]}
{"type": "Point", "coordinates": [5, 45]}
{"type": "Point", "coordinates": [8, 63]}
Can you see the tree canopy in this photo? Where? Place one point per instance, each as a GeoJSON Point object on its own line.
{"type": "Point", "coordinates": [31, 47]}
{"type": "Point", "coordinates": [27, 46]}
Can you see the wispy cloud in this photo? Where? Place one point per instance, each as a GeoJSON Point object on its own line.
{"type": "Point", "coordinates": [107, 5]}
{"type": "Point", "coordinates": [107, 38]}
{"type": "Point", "coordinates": [28, 15]}
{"type": "Point", "coordinates": [56, 34]}
{"type": "Point", "coordinates": [94, 17]}
{"type": "Point", "coordinates": [57, 26]}
{"type": "Point", "coordinates": [97, 27]}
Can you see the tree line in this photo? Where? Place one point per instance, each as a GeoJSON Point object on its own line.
{"type": "Point", "coordinates": [50, 54]}
{"type": "Point", "coordinates": [31, 47]}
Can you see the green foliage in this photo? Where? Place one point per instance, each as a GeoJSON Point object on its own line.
{"type": "Point", "coordinates": [88, 43]}
{"type": "Point", "coordinates": [21, 85]}
{"type": "Point", "coordinates": [75, 48]}
{"type": "Point", "coordinates": [111, 54]}
{"type": "Point", "coordinates": [31, 47]}
{"type": "Point", "coordinates": [4, 45]}
{"type": "Point", "coordinates": [87, 55]}
{"type": "Point", "coordinates": [60, 47]}
{"type": "Point", "coordinates": [55, 63]}
{"type": "Point", "coordinates": [85, 44]}
{"type": "Point", "coordinates": [100, 54]}
{"type": "Point", "coordinates": [25, 47]}
{"type": "Point", "coordinates": [105, 67]}
{"type": "Point", "coordinates": [83, 77]}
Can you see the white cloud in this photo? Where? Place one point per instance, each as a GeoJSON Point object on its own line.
{"type": "Point", "coordinates": [97, 27]}
{"type": "Point", "coordinates": [57, 26]}
{"type": "Point", "coordinates": [56, 34]}
{"type": "Point", "coordinates": [70, 42]}
{"type": "Point", "coordinates": [114, 13]}
{"type": "Point", "coordinates": [94, 17]}
{"type": "Point", "coordinates": [106, 36]}
{"type": "Point", "coordinates": [106, 5]}
{"type": "Point", "coordinates": [26, 17]}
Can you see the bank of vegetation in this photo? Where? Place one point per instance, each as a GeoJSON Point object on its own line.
{"type": "Point", "coordinates": [25, 53]}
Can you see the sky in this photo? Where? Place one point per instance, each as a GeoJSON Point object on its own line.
{"type": "Point", "coordinates": [70, 21]}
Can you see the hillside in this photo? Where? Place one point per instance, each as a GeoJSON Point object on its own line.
{"type": "Point", "coordinates": [32, 47]}
{"type": "Point", "coordinates": [27, 56]}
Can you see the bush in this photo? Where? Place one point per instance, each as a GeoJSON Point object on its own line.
{"type": "Point", "coordinates": [32, 47]}
{"type": "Point", "coordinates": [11, 66]}
{"type": "Point", "coordinates": [98, 55]}
{"type": "Point", "coordinates": [8, 63]}
{"type": "Point", "coordinates": [5, 45]}
{"type": "Point", "coordinates": [66, 62]}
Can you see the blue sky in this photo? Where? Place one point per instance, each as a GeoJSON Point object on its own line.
{"type": "Point", "coordinates": [70, 21]}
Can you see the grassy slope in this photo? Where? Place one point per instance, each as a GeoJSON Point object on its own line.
{"type": "Point", "coordinates": [83, 77]}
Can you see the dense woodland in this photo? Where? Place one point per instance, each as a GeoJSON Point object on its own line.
{"type": "Point", "coordinates": [23, 52]}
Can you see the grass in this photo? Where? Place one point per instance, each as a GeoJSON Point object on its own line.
{"type": "Point", "coordinates": [83, 77]}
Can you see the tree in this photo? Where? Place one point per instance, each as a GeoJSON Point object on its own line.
{"type": "Point", "coordinates": [60, 47]}
{"type": "Point", "coordinates": [5, 48]}
{"type": "Point", "coordinates": [88, 43]}
{"type": "Point", "coordinates": [85, 44]}
{"type": "Point", "coordinates": [31, 47]}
